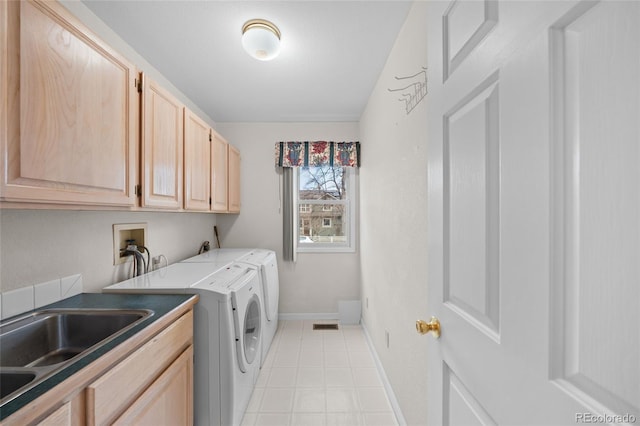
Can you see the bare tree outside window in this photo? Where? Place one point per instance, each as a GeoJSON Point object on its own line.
{"type": "Point", "coordinates": [324, 190]}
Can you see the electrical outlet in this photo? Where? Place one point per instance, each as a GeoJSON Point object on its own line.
{"type": "Point", "coordinates": [386, 338]}
{"type": "Point", "coordinates": [127, 231]}
{"type": "Point", "coordinates": [155, 262]}
{"type": "Point", "coordinates": [366, 302]}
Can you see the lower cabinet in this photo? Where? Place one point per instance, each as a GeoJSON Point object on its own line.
{"type": "Point", "coordinates": [153, 385]}
{"type": "Point", "coordinates": [131, 384]}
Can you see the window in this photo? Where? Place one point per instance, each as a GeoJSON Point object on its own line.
{"type": "Point", "coordinates": [326, 223]}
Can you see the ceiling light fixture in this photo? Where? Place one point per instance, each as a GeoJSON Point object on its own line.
{"type": "Point", "coordinates": [261, 39]}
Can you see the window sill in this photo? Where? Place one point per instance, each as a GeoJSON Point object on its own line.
{"type": "Point", "coordinates": [325, 249]}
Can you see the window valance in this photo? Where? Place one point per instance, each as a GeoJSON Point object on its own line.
{"type": "Point", "coordinates": [319, 153]}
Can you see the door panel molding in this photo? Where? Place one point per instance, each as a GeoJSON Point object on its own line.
{"type": "Point", "coordinates": [471, 208]}
{"type": "Point", "coordinates": [596, 205]}
{"type": "Point", "coordinates": [464, 25]}
{"type": "Point", "coordinates": [460, 407]}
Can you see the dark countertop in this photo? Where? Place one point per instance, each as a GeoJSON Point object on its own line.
{"type": "Point", "coordinates": [160, 304]}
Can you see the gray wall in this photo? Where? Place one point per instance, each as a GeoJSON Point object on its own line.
{"type": "Point", "coordinates": [393, 237]}
{"type": "Point", "coordinates": [317, 281]}
{"type": "Point", "coordinates": [41, 245]}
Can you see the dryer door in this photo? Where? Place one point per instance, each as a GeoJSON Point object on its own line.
{"type": "Point", "coordinates": [248, 343]}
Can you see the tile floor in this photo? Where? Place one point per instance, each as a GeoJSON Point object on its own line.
{"type": "Point", "coordinates": [319, 378]}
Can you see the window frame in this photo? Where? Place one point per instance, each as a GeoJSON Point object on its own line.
{"type": "Point", "coordinates": [351, 185]}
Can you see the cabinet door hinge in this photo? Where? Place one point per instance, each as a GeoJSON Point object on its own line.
{"type": "Point", "coordinates": [209, 200]}
{"type": "Point", "coordinates": [138, 84]}
{"type": "Point", "coordinates": [138, 190]}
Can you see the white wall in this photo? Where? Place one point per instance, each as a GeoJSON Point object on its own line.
{"type": "Point", "coordinates": [39, 245]}
{"type": "Point", "coordinates": [393, 237]}
{"type": "Point", "coordinates": [317, 281]}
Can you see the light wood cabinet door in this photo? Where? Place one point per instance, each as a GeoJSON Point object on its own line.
{"type": "Point", "coordinates": [219, 170]}
{"type": "Point", "coordinates": [69, 111]}
{"type": "Point", "coordinates": [234, 180]}
{"type": "Point", "coordinates": [169, 400]}
{"type": "Point", "coordinates": [162, 147]}
{"type": "Point", "coordinates": [197, 162]}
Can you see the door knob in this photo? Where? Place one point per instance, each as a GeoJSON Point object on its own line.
{"type": "Point", "coordinates": [432, 326]}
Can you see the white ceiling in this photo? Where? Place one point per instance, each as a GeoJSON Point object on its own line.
{"type": "Point", "coordinates": [332, 53]}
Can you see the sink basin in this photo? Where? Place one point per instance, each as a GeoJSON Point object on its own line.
{"type": "Point", "coordinates": [38, 344]}
{"type": "Point", "coordinates": [11, 382]}
{"type": "Point", "coordinates": [50, 337]}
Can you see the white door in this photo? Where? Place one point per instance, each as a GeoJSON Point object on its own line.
{"type": "Point", "coordinates": [534, 212]}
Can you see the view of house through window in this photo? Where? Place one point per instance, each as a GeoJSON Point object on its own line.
{"type": "Point", "coordinates": [324, 207]}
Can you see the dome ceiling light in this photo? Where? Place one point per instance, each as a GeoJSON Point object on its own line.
{"type": "Point", "coordinates": [261, 39]}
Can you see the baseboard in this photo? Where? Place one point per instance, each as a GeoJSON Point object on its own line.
{"type": "Point", "coordinates": [395, 406]}
{"type": "Point", "coordinates": [318, 316]}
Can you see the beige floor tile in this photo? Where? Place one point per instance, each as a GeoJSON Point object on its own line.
{"type": "Point", "coordinates": [308, 419]}
{"type": "Point", "coordinates": [339, 377]}
{"type": "Point", "coordinates": [310, 377]}
{"type": "Point", "coordinates": [342, 399]}
{"type": "Point", "coordinates": [277, 400]}
{"type": "Point", "coordinates": [309, 401]}
{"type": "Point", "coordinates": [379, 419]}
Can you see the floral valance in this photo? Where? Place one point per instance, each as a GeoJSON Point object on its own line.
{"type": "Point", "coordinates": [320, 153]}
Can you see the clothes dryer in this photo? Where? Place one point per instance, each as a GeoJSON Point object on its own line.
{"type": "Point", "coordinates": [227, 332]}
{"type": "Point", "coordinates": [267, 264]}
{"type": "Point", "coordinates": [225, 255]}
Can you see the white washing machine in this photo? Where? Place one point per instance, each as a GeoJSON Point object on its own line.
{"type": "Point", "coordinates": [227, 333]}
{"type": "Point", "coordinates": [267, 264]}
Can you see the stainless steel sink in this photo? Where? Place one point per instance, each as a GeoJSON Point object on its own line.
{"type": "Point", "coordinates": [12, 381]}
{"type": "Point", "coordinates": [36, 345]}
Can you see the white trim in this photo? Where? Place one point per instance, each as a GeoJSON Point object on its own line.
{"type": "Point", "coordinates": [318, 248]}
{"type": "Point", "coordinates": [395, 406]}
{"type": "Point", "coordinates": [319, 316]}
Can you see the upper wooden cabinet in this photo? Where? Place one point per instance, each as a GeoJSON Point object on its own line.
{"type": "Point", "coordinates": [225, 176]}
{"type": "Point", "coordinates": [197, 162]}
{"type": "Point", "coordinates": [234, 180]}
{"type": "Point", "coordinates": [74, 130]}
{"type": "Point", "coordinates": [162, 147]}
{"type": "Point", "coordinates": [69, 111]}
{"type": "Point", "coordinates": [219, 171]}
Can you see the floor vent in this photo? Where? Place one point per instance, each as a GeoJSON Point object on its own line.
{"type": "Point", "coordinates": [325, 326]}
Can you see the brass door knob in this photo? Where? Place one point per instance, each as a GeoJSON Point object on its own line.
{"type": "Point", "coordinates": [432, 326]}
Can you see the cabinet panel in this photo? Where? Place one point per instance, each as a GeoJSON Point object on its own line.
{"type": "Point", "coordinates": [60, 417]}
{"type": "Point", "coordinates": [169, 400]}
{"type": "Point", "coordinates": [162, 147]}
{"type": "Point", "coordinates": [71, 114]}
{"type": "Point", "coordinates": [197, 162]}
{"type": "Point", "coordinates": [234, 180]}
{"type": "Point", "coordinates": [70, 413]}
{"type": "Point", "coordinates": [219, 170]}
